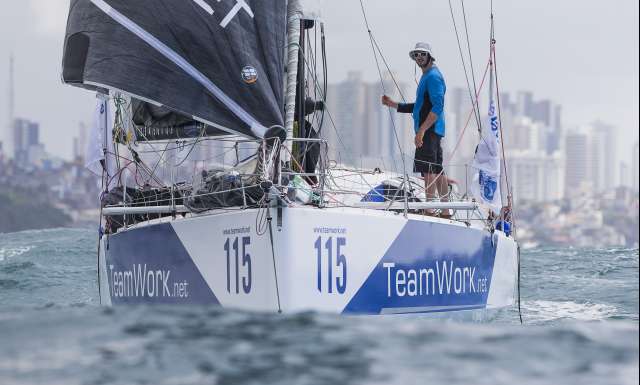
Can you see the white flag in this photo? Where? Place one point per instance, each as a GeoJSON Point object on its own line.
{"type": "Point", "coordinates": [487, 162]}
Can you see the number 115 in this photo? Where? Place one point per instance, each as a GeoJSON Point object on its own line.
{"type": "Point", "coordinates": [341, 263]}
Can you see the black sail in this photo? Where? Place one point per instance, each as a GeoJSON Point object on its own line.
{"type": "Point", "coordinates": [192, 67]}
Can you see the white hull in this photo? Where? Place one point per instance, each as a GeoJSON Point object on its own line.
{"type": "Point", "coordinates": [339, 260]}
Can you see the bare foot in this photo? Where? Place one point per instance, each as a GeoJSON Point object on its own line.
{"type": "Point", "coordinates": [446, 214]}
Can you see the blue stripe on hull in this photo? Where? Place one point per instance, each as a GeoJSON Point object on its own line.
{"type": "Point", "coordinates": [150, 265]}
{"type": "Point", "coordinates": [429, 266]}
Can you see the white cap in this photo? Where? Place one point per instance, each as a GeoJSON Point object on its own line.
{"type": "Point", "coordinates": [421, 47]}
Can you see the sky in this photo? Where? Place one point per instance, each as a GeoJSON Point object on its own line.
{"type": "Point", "coordinates": [582, 54]}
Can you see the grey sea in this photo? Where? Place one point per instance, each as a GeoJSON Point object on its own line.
{"type": "Point", "coordinates": [580, 312]}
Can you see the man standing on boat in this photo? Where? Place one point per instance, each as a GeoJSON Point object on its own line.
{"type": "Point", "coordinates": [429, 125]}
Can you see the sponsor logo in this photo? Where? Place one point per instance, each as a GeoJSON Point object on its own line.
{"type": "Point", "coordinates": [143, 282]}
{"type": "Point", "coordinates": [249, 75]}
{"type": "Point", "coordinates": [239, 6]}
{"type": "Point", "coordinates": [489, 186]}
{"type": "Point", "coordinates": [236, 231]}
{"type": "Point", "coordinates": [445, 278]}
{"type": "Point", "coordinates": [330, 230]}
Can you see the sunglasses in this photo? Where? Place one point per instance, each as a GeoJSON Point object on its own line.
{"type": "Point", "coordinates": [418, 54]}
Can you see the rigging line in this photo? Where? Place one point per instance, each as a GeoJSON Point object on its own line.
{"type": "Point", "coordinates": [153, 171]}
{"type": "Point", "coordinates": [395, 131]}
{"type": "Point", "coordinates": [333, 123]}
{"type": "Point", "coordinates": [504, 155]}
{"type": "Point", "coordinates": [313, 54]}
{"type": "Point", "coordinates": [471, 113]}
{"type": "Point", "coordinates": [193, 146]}
{"type": "Point", "coordinates": [324, 76]}
{"type": "Point", "coordinates": [388, 68]}
{"type": "Point", "coordinates": [492, 42]}
{"type": "Point", "coordinates": [375, 45]}
{"type": "Point", "coordinates": [495, 70]}
{"type": "Point", "coordinates": [519, 287]}
{"type": "Point", "coordinates": [143, 165]}
{"type": "Point", "coordinates": [464, 66]}
{"type": "Point", "coordinates": [473, 72]}
{"type": "Point", "coordinates": [313, 57]}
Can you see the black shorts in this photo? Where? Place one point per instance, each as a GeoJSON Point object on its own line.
{"type": "Point", "coordinates": [428, 158]}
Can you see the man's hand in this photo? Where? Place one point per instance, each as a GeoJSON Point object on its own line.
{"type": "Point", "coordinates": [430, 121]}
{"type": "Point", "coordinates": [387, 101]}
{"type": "Point", "coordinates": [419, 139]}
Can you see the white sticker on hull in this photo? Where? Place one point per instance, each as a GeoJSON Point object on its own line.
{"type": "Point", "coordinates": [332, 253]}
{"type": "Point", "coordinates": [234, 260]}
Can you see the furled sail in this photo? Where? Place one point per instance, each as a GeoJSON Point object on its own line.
{"type": "Point", "coordinates": [192, 67]}
{"type": "Point", "coordinates": [487, 161]}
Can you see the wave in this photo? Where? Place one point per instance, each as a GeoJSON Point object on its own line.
{"type": "Point", "coordinates": [7, 253]}
{"type": "Point", "coordinates": [545, 311]}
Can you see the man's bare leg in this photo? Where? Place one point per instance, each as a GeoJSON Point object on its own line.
{"type": "Point", "coordinates": [431, 188]}
{"type": "Point", "coordinates": [443, 191]}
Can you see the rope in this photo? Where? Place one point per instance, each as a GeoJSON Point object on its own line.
{"type": "Point", "coordinates": [504, 155]}
{"type": "Point", "coordinates": [375, 42]}
{"type": "Point", "coordinates": [273, 255]}
{"type": "Point", "coordinates": [393, 123]}
{"type": "Point", "coordinates": [519, 288]}
{"type": "Point", "coordinates": [473, 72]}
{"type": "Point", "coordinates": [464, 67]}
{"type": "Point", "coordinates": [484, 77]}
{"type": "Point", "coordinates": [504, 159]}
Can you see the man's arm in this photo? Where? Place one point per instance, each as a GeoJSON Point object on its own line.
{"type": "Point", "coordinates": [406, 108]}
{"type": "Point", "coordinates": [400, 107]}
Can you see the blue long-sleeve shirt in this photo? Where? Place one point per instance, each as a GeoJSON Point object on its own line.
{"type": "Point", "coordinates": [429, 98]}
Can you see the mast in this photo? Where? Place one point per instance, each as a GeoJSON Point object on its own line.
{"type": "Point", "coordinates": [294, 17]}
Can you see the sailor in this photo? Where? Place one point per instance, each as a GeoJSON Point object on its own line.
{"type": "Point", "coordinates": [429, 124]}
{"type": "Point", "coordinates": [504, 220]}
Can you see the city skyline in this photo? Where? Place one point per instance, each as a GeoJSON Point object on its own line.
{"type": "Point", "coordinates": [547, 161]}
{"type": "Point", "coordinates": [41, 97]}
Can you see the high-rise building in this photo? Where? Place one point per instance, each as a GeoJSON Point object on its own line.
{"type": "Point", "coordinates": [389, 134]}
{"type": "Point", "coordinates": [536, 176]}
{"type": "Point", "coordinates": [365, 131]}
{"type": "Point", "coordinates": [603, 157]}
{"type": "Point", "coordinates": [524, 104]}
{"type": "Point", "coordinates": [545, 113]}
{"type": "Point", "coordinates": [26, 136]}
{"type": "Point", "coordinates": [80, 143]}
{"type": "Point", "coordinates": [555, 132]}
{"type": "Point", "coordinates": [347, 107]}
{"type": "Point", "coordinates": [548, 114]}
{"type": "Point", "coordinates": [462, 133]}
{"type": "Point", "coordinates": [577, 163]}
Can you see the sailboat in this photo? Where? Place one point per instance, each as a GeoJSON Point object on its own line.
{"type": "Point", "coordinates": [284, 229]}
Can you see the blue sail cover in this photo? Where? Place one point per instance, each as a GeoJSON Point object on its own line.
{"type": "Point", "coordinates": [192, 67]}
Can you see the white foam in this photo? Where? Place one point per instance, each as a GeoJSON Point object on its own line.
{"type": "Point", "coordinates": [554, 310]}
{"type": "Point", "coordinates": [7, 253]}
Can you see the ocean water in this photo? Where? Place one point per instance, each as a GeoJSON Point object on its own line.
{"type": "Point", "coordinates": [580, 312]}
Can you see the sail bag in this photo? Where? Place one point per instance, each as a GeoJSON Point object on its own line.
{"type": "Point", "coordinates": [192, 67]}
